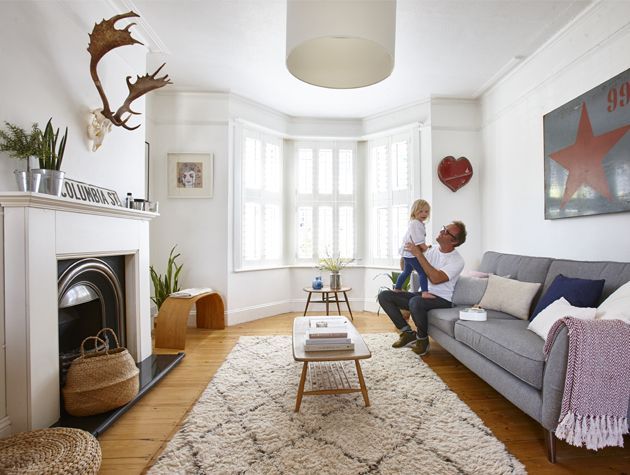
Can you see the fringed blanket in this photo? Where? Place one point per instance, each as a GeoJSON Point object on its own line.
{"type": "Point", "coordinates": [597, 389]}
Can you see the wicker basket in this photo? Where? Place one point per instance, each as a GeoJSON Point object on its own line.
{"type": "Point", "coordinates": [101, 381]}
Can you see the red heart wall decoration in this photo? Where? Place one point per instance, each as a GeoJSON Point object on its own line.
{"type": "Point", "coordinates": [455, 173]}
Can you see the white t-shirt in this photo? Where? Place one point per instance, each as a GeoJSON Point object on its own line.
{"type": "Point", "coordinates": [452, 264]}
{"type": "Point", "coordinates": [415, 233]}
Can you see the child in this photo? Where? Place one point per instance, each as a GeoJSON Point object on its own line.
{"type": "Point", "coordinates": [416, 234]}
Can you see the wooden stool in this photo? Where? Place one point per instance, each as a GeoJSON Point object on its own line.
{"type": "Point", "coordinates": [172, 319]}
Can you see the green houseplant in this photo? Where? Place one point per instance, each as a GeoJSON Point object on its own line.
{"type": "Point", "coordinates": [393, 277]}
{"type": "Point", "coordinates": [22, 145]}
{"type": "Point", "coordinates": [165, 285]}
{"type": "Point", "coordinates": [51, 152]}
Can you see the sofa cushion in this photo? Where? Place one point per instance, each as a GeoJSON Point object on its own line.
{"type": "Point", "coordinates": [510, 296]}
{"type": "Point", "coordinates": [508, 344]}
{"type": "Point", "coordinates": [445, 318]}
{"type": "Point", "coordinates": [523, 268]}
{"type": "Point", "coordinates": [469, 290]}
{"type": "Point", "coordinates": [614, 273]}
{"type": "Point", "coordinates": [555, 311]}
{"type": "Point", "coordinates": [578, 292]}
{"type": "Point", "coordinates": [617, 305]}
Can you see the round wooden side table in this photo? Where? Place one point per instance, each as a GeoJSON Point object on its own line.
{"type": "Point", "coordinates": [329, 296]}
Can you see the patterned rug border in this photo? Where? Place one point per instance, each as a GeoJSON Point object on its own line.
{"type": "Point", "coordinates": [244, 421]}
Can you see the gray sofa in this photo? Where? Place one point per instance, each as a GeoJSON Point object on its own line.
{"type": "Point", "coordinates": [502, 351]}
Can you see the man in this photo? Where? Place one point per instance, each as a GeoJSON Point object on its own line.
{"type": "Point", "coordinates": [443, 264]}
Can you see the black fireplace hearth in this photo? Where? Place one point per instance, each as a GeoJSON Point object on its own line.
{"type": "Point", "coordinates": [152, 370]}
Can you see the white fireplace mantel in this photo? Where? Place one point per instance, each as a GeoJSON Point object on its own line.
{"type": "Point", "coordinates": [39, 230]}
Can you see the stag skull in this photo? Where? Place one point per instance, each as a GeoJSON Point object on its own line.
{"type": "Point", "coordinates": [98, 128]}
{"type": "Point", "coordinates": [104, 38]}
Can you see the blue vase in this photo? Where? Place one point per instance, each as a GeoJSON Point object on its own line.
{"type": "Point", "coordinates": [317, 283]}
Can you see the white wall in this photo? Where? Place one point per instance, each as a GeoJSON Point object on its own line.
{"type": "Point", "coordinates": [593, 49]}
{"type": "Point", "coordinates": [45, 73]}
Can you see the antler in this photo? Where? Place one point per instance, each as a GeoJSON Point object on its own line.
{"type": "Point", "coordinates": [104, 38]}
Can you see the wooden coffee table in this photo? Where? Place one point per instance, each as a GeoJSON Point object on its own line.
{"type": "Point", "coordinates": [327, 375]}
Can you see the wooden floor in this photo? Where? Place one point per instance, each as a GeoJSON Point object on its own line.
{"type": "Point", "coordinates": [133, 442]}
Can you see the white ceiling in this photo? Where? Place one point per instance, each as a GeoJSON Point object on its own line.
{"type": "Point", "coordinates": [446, 48]}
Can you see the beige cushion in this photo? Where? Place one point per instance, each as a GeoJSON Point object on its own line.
{"type": "Point", "coordinates": [509, 296]}
{"type": "Point", "coordinates": [617, 305]}
{"type": "Point", "coordinates": [555, 311]}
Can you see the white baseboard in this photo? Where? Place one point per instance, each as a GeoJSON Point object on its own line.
{"type": "Point", "coordinates": [5, 427]}
{"type": "Point", "coordinates": [256, 312]}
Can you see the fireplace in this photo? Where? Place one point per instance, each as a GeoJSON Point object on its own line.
{"type": "Point", "coordinates": [40, 233]}
{"type": "Point", "coordinates": [91, 297]}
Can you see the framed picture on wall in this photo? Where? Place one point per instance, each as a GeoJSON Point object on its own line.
{"type": "Point", "coordinates": [190, 175]}
{"type": "Point", "coordinates": [587, 152]}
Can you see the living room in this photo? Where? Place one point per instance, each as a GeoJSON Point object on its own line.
{"type": "Point", "coordinates": [496, 123]}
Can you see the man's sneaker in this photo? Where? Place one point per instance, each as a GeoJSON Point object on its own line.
{"type": "Point", "coordinates": [405, 339]}
{"type": "Point", "coordinates": [421, 346]}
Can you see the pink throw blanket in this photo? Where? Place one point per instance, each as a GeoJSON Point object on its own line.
{"type": "Point", "coordinates": [597, 388]}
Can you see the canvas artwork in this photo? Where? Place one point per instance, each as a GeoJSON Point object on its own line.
{"type": "Point", "coordinates": [587, 152]}
{"type": "Point", "coordinates": [189, 175]}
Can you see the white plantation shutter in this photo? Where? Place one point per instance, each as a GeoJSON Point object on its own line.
{"type": "Point", "coordinates": [325, 212]}
{"type": "Point", "coordinates": [325, 231]}
{"type": "Point", "coordinates": [251, 230]}
{"type": "Point", "coordinates": [346, 172]}
{"type": "Point", "coordinates": [346, 231]}
{"type": "Point", "coordinates": [391, 193]}
{"type": "Point", "coordinates": [261, 199]}
{"type": "Point", "coordinates": [305, 232]}
{"type": "Point", "coordinates": [305, 171]}
{"type": "Point", "coordinates": [400, 217]}
{"type": "Point", "coordinates": [325, 172]}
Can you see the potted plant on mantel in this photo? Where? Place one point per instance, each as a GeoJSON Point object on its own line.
{"type": "Point", "coordinates": [22, 145]}
{"type": "Point", "coordinates": [50, 157]}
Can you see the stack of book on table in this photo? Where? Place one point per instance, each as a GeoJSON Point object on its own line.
{"type": "Point", "coordinates": [327, 334]}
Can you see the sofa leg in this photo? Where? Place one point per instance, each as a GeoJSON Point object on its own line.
{"type": "Point", "coordinates": [550, 442]}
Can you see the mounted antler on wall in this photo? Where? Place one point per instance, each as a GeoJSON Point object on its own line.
{"type": "Point", "coordinates": [104, 38]}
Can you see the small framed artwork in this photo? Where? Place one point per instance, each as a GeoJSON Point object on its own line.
{"type": "Point", "coordinates": [190, 175]}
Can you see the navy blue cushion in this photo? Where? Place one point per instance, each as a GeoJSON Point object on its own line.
{"type": "Point", "coordinates": [578, 292]}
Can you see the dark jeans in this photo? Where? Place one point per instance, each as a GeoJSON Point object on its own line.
{"type": "Point", "coordinates": [392, 302]}
{"type": "Point", "coordinates": [411, 263]}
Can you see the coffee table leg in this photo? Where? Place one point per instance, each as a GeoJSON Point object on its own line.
{"type": "Point", "coordinates": [345, 295]}
{"type": "Point", "coordinates": [308, 300]}
{"type": "Point", "coordinates": [298, 401]}
{"type": "Point", "coordinates": [326, 295]}
{"type": "Point", "coordinates": [362, 383]}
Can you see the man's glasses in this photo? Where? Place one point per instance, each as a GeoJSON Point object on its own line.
{"type": "Point", "coordinates": [444, 230]}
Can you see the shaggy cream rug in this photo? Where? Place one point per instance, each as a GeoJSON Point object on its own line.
{"type": "Point", "coordinates": [244, 421]}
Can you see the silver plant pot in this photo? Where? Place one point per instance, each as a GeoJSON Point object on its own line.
{"type": "Point", "coordinates": [38, 176]}
{"type": "Point", "coordinates": [335, 280]}
{"type": "Point", "coordinates": [55, 182]}
{"type": "Point", "coordinates": [21, 178]}
{"type": "Point", "coordinates": [51, 181]}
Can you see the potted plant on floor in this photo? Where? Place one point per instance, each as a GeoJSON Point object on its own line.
{"type": "Point", "coordinates": [50, 158]}
{"type": "Point", "coordinates": [22, 145]}
{"type": "Point", "coordinates": [165, 285]}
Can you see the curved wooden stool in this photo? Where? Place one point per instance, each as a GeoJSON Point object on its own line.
{"type": "Point", "coordinates": [172, 319]}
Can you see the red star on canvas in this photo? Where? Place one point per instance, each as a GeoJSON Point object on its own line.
{"type": "Point", "coordinates": [583, 159]}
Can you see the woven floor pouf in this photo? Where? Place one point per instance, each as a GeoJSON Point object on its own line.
{"type": "Point", "coordinates": [57, 450]}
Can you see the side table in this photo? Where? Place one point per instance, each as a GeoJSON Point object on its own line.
{"type": "Point", "coordinates": [172, 319]}
{"type": "Point", "coordinates": [327, 298]}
